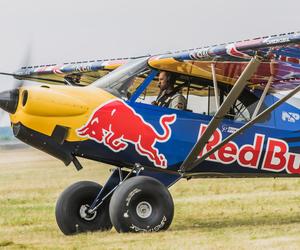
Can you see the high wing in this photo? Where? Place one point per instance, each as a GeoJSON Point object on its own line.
{"type": "Point", "coordinates": [280, 54]}
{"type": "Point", "coordinates": [280, 59]}
{"type": "Point", "coordinates": [89, 71]}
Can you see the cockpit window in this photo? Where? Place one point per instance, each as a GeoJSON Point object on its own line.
{"type": "Point", "coordinates": [125, 79]}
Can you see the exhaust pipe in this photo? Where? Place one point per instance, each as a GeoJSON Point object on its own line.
{"type": "Point", "coordinates": [9, 100]}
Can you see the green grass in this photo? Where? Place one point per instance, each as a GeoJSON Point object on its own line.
{"type": "Point", "coordinates": [209, 213]}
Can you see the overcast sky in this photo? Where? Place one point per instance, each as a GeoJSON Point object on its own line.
{"type": "Point", "coordinates": [59, 31]}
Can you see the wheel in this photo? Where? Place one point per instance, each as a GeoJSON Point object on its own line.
{"type": "Point", "coordinates": [72, 205]}
{"type": "Point", "coordinates": [141, 204]}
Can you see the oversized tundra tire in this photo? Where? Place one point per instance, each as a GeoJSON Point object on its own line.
{"type": "Point", "coordinates": [72, 205]}
{"type": "Point", "coordinates": [141, 204]}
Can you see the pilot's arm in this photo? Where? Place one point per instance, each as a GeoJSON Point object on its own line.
{"type": "Point", "coordinates": [178, 102]}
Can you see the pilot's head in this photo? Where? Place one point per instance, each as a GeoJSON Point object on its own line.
{"type": "Point", "coordinates": [165, 80]}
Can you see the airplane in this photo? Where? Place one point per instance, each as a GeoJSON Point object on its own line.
{"type": "Point", "coordinates": [241, 120]}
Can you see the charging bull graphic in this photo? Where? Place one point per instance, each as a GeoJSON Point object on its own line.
{"type": "Point", "coordinates": [115, 124]}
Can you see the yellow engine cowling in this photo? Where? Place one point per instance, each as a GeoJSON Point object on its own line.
{"type": "Point", "coordinates": [42, 108]}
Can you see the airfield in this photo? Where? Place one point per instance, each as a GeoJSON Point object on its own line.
{"type": "Point", "coordinates": [209, 213]}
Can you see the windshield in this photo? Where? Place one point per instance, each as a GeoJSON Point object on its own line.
{"type": "Point", "coordinates": [120, 80]}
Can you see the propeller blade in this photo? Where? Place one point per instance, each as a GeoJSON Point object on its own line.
{"type": "Point", "coordinates": [25, 62]}
{"type": "Point", "coordinates": [9, 99]}
{"type": "Point", "coordinates": [30, 78]}
{"type": "Point", "coordinates": [7, 74]}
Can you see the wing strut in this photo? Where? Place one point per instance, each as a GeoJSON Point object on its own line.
{"type": "Point", "coordinates": [247, 125]}
{"type": "Point", "coordinates": [216, 90]}
{"type": "Point", "coordinates": [221, 112]}
{"type": "Point", "coordinates": [266, 89]}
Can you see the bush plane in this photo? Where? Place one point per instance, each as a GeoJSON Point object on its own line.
{"type": "Point", "coordinates": [241, 120]}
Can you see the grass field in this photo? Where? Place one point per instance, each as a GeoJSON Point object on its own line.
{"type": "Point", "coordinates": [209, 213]}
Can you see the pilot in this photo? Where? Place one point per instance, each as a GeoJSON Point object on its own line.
{"type": "Point", "coordinates": [168, 95]}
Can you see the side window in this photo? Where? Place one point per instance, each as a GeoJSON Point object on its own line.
{"type": "Point", "coordinates": [171, 96]}
{"type": "Point", "coordinates": [200, 99]}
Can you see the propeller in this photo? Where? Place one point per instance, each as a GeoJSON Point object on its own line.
{"type": "Point", "coordinates": [9, 98]}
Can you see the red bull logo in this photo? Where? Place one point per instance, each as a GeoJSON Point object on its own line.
{"type": "Point", "coordinates": [115, 124]}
